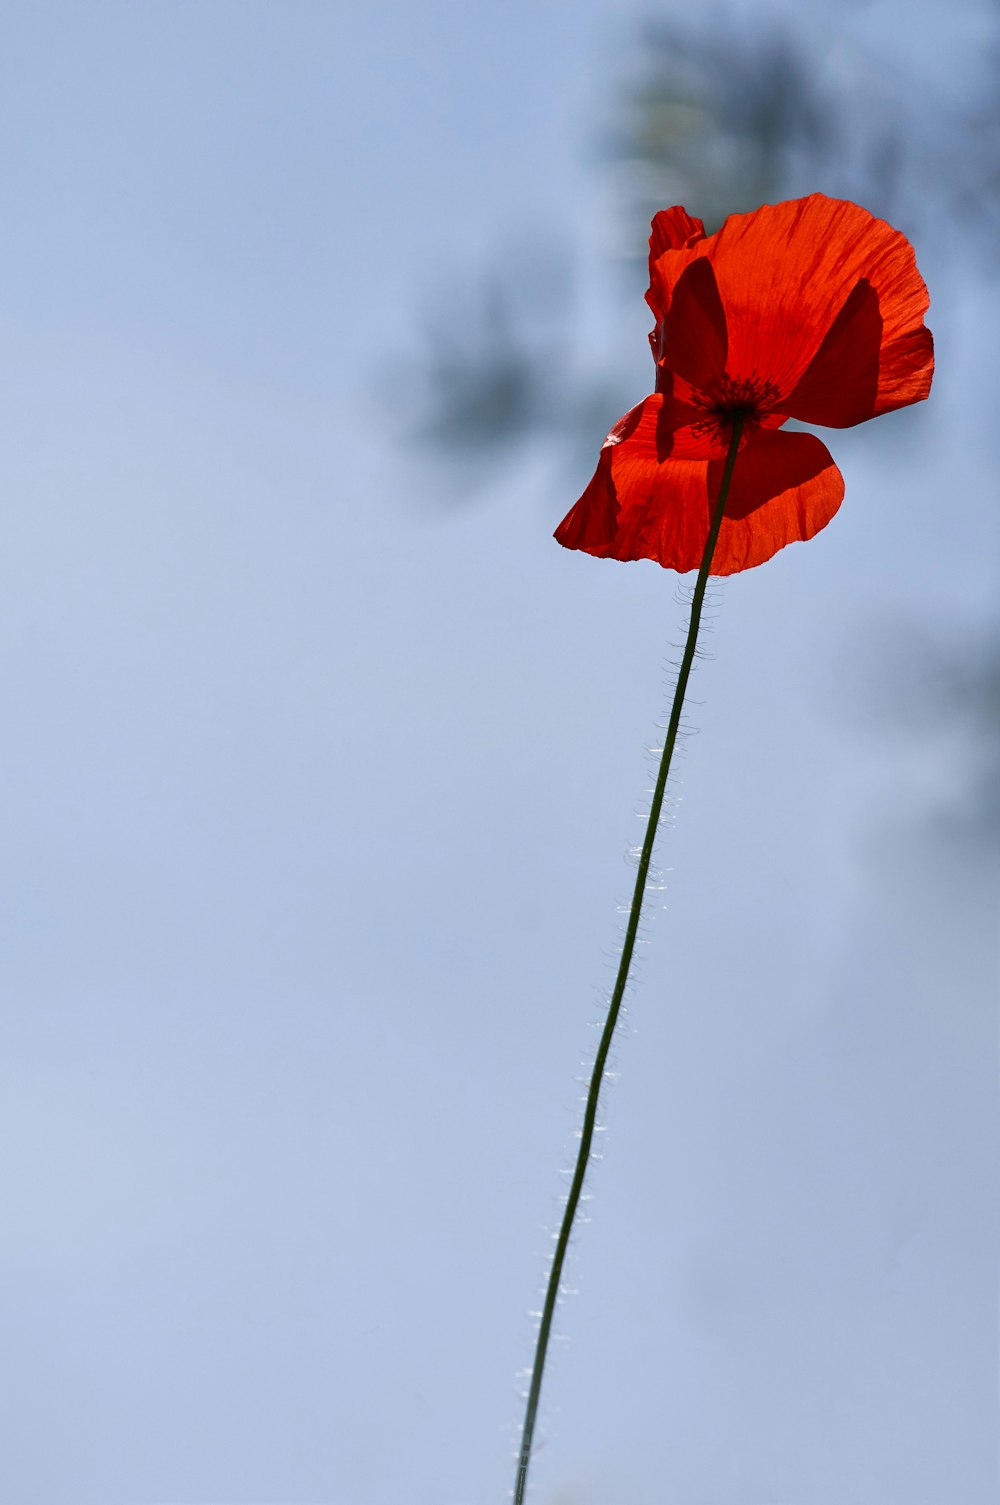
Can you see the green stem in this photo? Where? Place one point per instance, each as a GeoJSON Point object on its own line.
{"type": "Point", "coordinates": [597, 1075]}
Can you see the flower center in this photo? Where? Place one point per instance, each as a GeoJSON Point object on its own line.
{"type": "Point", "coordinates": [753, 397]}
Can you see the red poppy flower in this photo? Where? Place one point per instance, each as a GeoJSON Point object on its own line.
{"type": "Point", "coordinates": [811, 309]}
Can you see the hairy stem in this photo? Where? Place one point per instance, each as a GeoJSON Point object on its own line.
{"type": "Point", "coordinates": [631, 929]}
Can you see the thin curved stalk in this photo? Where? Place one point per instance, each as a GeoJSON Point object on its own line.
{"type": "Point", "coordinates": [631, 930]}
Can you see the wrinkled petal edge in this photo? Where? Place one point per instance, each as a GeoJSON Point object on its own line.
{"type": "Point", "coordinates": [785, 489]}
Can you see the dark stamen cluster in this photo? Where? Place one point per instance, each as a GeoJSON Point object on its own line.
{"type": "Point", "coordinates": [752, 397]}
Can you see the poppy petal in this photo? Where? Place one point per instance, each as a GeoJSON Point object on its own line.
{"type": "Point", "coordinates": [840, 384]}
{"type": "Point", "coordinates": [672, 230]}
{"type": "Point", "coordinates": [785, 488]}
{"type": "Point", "coordinates": [693, 339]}
{"type": "Point", "coordinates": [855, 374]}
{"type": "Point", "coordinates": [906, 369]}
{"type": "Point", "coordinates": [787, 274]}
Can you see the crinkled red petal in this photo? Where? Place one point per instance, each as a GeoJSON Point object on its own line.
{"type": "Point", "coordinates": [785, 488]}
{"type": "Point", "coordinates": [672, 230]}
{"type": "Point", "coordinates": [693, 338]}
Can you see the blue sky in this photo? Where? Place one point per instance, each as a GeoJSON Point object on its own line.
{"type": "Point", "coordinates": [315, 801]}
